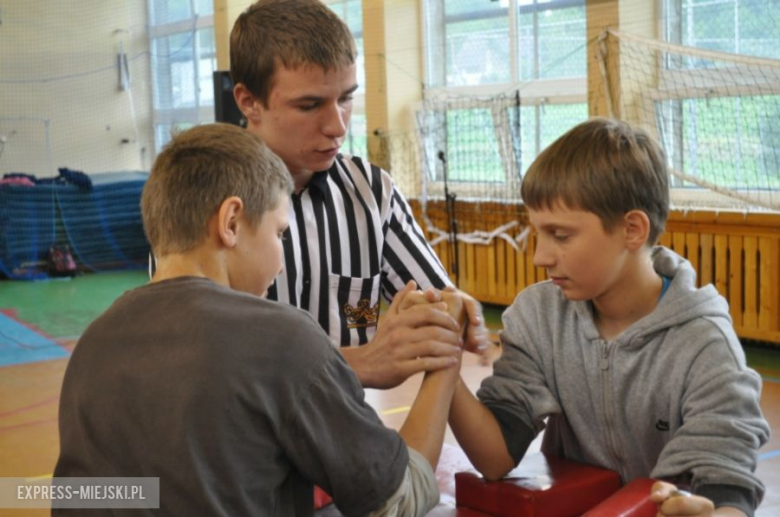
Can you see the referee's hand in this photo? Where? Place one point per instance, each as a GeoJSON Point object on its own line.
{"type": "Point", "coordinates": [422, 337]}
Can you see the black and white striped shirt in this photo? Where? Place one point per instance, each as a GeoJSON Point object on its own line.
{"type": "Point", "coordinates": [352, 237]}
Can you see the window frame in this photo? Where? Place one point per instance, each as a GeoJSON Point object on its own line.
{"type": "Point", "coordinates": [534, 93]}
{"type": "Point", "coordinates": [359, 96]}
{"type": "Point", "coordinates": [168, 117]}
{"type": "Point", "coordinates": [705, 84]}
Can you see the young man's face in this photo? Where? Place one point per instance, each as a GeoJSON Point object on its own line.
{"type": "Point", "coordinates": [307, 116]}
{"type": "Point", "coordinates": [259, 253]}
{"type": "Point", "coordinates": [580, 257]}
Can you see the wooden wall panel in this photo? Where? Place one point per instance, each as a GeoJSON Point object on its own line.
{"type": "Point", "coordinates": [736, 296]}
{"type": "Point", "coordinates": [706, 269]}
{"type": "Point", "coordinates": [750, 282]}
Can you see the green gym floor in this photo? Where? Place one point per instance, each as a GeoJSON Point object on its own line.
{"type": "Point", "coordinates": [62, 309]}
{"type": "Point", "coordinates": [40, 323]}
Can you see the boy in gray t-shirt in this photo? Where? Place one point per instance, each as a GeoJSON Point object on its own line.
{"type": "Point", "coordinates": [621, 357]}
{"type": "Point", "coordinates": [193, 379]}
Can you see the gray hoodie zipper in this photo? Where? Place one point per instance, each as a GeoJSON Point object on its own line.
{"type": "Point", "coordinates": [606, 351]}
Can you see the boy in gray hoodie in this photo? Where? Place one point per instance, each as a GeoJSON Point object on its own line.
{"type": "Point", "coordinates": [619, 356]}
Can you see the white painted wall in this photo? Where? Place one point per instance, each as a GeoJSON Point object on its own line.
{"type": "Point", "coordinates": [60, 101]}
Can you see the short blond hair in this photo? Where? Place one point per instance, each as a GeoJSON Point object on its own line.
{"type": "Point", "coordinates": [290, 33]}
{"type": "Point", "coordinates": [196, 172]}
{"type": "Point", "coordinates": [606, 167]}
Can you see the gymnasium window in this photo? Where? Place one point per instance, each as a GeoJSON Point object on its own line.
{"type": "Point", "coordinates": [183, 61]}
{"type": "Point", "coordinates": [728, 135]}
{"type": "Point", "coordinates": [510, 77]}
{"type": "Point", "coordinates": [351, 11]}
{"type": "Point", "coordinates": [748, 27]}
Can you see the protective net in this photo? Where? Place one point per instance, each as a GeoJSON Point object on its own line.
{"type": "Point", "coordinates": [714, 112]}
{"type": "Point", "coordinates": [92, 87]}
{"type": "Point", "coordinates": [712, 105]}
{"type": "Point", "coordinates": [95, 219]}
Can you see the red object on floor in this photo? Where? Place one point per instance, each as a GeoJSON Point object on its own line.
{"type": "Point", "coordinates": [541, 486]}
{"type": "Point", "coordinates": [321, 498]}
{"type": "Point", "coordinates": [633, 500]}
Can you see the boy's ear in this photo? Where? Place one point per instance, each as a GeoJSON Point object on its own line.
{"type": "Point", "coordinates": [247, 103]}
{"type": "Point", "coordinates": [637, 229]}
{"type": "Point", "coordinates": [229, 220]}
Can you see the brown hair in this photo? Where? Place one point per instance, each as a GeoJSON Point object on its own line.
{"type": "Point", "coordinates": [196, 172]}
{"type": "Point", "coordinates": [290, 33]}
{"type": "Point", "coordinates": [606, 167]}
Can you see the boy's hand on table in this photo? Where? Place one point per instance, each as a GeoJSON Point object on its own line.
{"type": "Point", "coordinates": [673, 502]}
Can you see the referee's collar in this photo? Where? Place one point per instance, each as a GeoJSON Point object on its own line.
{"type": "Point", "coordinates": [319, 180]}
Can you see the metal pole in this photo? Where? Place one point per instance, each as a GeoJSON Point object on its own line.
{"type": "Point", "coordinates": [452, 220]}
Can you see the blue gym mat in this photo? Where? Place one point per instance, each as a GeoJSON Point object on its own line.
{"type": "Point", "coordinates": [19, 344]}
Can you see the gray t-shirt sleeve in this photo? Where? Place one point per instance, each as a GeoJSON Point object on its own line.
{"type": "Point", "coordinates": [418, 493]}
{"type": "Point", "coordinates": [335, 439]}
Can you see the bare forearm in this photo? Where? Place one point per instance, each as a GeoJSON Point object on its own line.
{"type": "Point", "coordinates": [424, 428]}
{"type": "Point", "coordinates": [479, 434]}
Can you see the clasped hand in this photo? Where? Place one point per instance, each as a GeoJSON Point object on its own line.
{"type": "Point", "coordinates": [420, 331]}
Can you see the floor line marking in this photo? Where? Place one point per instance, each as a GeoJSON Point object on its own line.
{"type": "Point", "coordinates": [38, 478]}
{"type": "Point", "coordinates": [27, 424]}
{"type": "Point", "coordinates": [769, 455]}
{"type": "Point", "coordinates": [393, 411]}
{"type": "Point", "coordinates": [22, 409]}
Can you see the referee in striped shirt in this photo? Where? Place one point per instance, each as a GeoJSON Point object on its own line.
{"type": "Point", "coordinates": [352, 237]}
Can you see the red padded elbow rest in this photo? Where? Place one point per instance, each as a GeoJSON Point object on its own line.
{"type": "Point", "coordinates": [541, 486]}
{"type": "Point", "coordinates": [321, 498]}
{"type": "Point", "coordinates": [633, 500]}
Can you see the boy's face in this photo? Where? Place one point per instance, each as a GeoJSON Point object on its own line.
{"type": "Point", "coordinates": [580, 257]}
{"type": "Point", "coordinates": [259, 253]}
{"type": "Point", "coordinates": [307, 116]}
